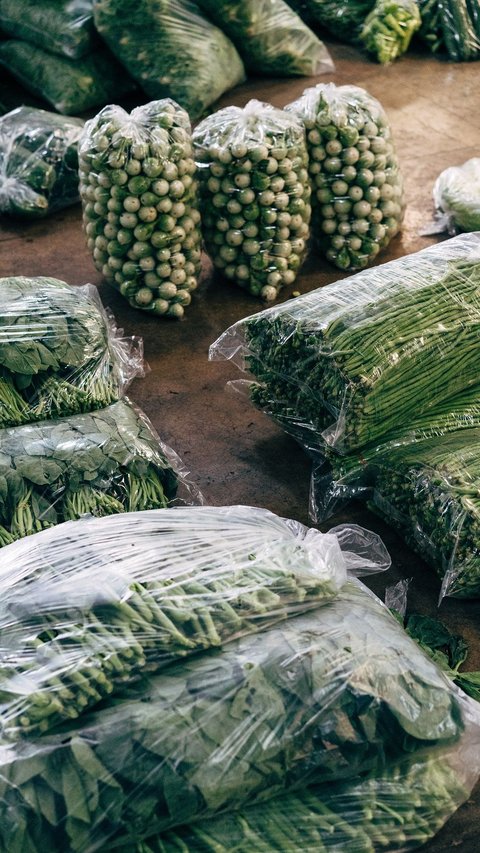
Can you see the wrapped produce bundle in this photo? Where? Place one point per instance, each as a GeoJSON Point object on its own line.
{"type": "Point", "coordinates": [388, 29]}
{"type": "Point", "coordinates": [60, 353]}
{"type": "Point", "coordinates": [173, 582]}
{"type": "Point", "coordinates": [59, 26]}
{"type": "Point", "coordinates": [381, 352]}
{"type": "Point", "coordinates": [171, 50]}
{"type": "Point", "coordinates": [456, 195]}
{"type": "Point", "coordinates": [451, 27]}
{"type": "Point", "coordinates": [344, 18]}
{"type": "Point", "coordinates": [357, 189]}
{"type": "Point", "coordinates": [300, 703]}
{"type": "Point", "coordinates": [140, 203]}
{"type": "Point", "coordinates": [38, 161]}
{"type": "Point", "coordinates": [270, 37]}
{"type": "Point", "coordinates": [70, 86]}
{"type": "Point", "coordinates": [255, 195]}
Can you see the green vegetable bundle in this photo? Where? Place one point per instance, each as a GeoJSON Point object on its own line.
{"type": "Point", "coordinates": [270, 37]}
{"type": "Point", "coordinates": [354, 362]}
{"type": "Point", "coordinates": [255, 195]}
{"type": "Point", "coordinates": [456, 195]}
{"type": "Point", "coordinates": [90, 606]}
{"type": "Point", "coordinates": [60, 354]}
{"type": "Point", "coordinates": [452, 27]}
{"type": "Point", "coordinates": [298, 703]}
{"type": "Point", "coordinates": [59, 26]}
{"type": "Point", "coordinates": [171, 50]}
{"type": "Point", "coordinates": [357, 189]}
{"type": "Point", "coordinates": [344, 18]}
{"type": "Point", "coordinates": [140, 204]}
{"type": "Point", "coordinates": [388, 29]}
{"type": "Point", "coordinates": [38, 161]}
{"type": "Point", "coordinates": [70, 86]}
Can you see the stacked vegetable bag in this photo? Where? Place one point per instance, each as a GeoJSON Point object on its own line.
{"type": "Point", "coordinates": [281, 736]}
{"type": "Point", "coordinates": [382, 358]}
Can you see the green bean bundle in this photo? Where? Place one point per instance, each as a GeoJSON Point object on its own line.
{"type": "Point", "coordinates": [255, 195]}
{"type": "Point", "coordinates": [451, 27]}
{"type": "Point", "coordinates": [388, 29]}
{"type": "Point", "coordinates": [140, 207]}
{"type": "Point", "coordinates": [357, 189]}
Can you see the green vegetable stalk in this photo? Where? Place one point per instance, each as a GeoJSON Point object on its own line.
{"type": "Point", "coordinates": [389, 27]}
{"type": "Point", "coordinates": [58, 26]}
{"type": "Point", "coordinates": [357, 189]}
{"type": "Point", "coordinates": [255, 195]}
{"type": "Point", "coordinates": [140, 204]}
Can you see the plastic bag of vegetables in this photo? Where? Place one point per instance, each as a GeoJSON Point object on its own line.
{"type": "Point", "coordinates": [140, 204]}
{"type": "Point", "coordinates": [59, 26]}
{"type": "Point", "coordinates": [388, 29]}
{"type": "Point", "coordinates": [351, 363]}
{"type": "Point", "coordinates": [38, 161]}
{"type": "Point", "coordinates": [344, 18]}
{"type": "Point", "coordinates": [171, 50]}
{"type": "Point", "coordinates": [357, 189]}
{"type": "Point", "coordinates": [172, 583]}
{"type": "Point", "coordinates": [255, 195]}
{"type": "Point", "coordinates": [299, 703]}
{"type": "Point", "coordinates": [451, 27]}
{"type": "Point", "coordinates": [270, 37]}
{"type": "Point", "coordinates": [456, 196]}
{"type": "Point", "coordinates": [60, 352]}
{"type": "Point", "coordinates": [70, 86]}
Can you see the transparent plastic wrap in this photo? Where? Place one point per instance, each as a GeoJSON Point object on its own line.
{"type": "Point", "coordinates": [270, 37]}
{"type": "Point", "coordinates": [255, 195]}
{"type": "Point", "coordinates": [59, 26]}
{"type": "Point", "coordinates": [171, 583]}
{"type": "Point", "coordinates": [451, 27]}
{"type": "Point", "coordinates": [60, 352]}
{"type": "Point", "coordinates": [388, 29]}
{"type": "Point", "coordinates": [140, 200]}
{"type": "Point", "coordinates": [71, 86]}
{"type": "Point", "coordinates": [343, 18]}
{"type": "Point", "coordinates": [322, 698]}
{"type": "Point", "coordinates": [380, 352]}
{"type": "Point", "coordinates": [38, 162]}
{"type": "Point", "coordinates": [357, 188]}
{"type": "Point", "coordinates": [456, 196]}
{"type": "Point", "coordinates": [171, 50]}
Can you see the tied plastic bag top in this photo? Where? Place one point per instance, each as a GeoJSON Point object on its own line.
{"type": "Point", "coordinates": [322, 698]}
{"type": "Point", "coordinates": [456, 196]}
{"type": "Point", "coordinates": [60, 352]}
{"type": "Point", "coordinates": [171, 50]}
{"type": "Point", "coordinates": [38, 162]}
{"type": "Point", "coordinates": [372, 355]}
{"type": "Point", "coordinates": [139, 193]}
{"type": "Point", "coordinates": [270, 37]}
{"type": "Point", "coordinates": [91, 605]}
{"type": "Point", "coordinates": [357, 189]}
{"type": "Point", "coordinates": [255, 195]}
{"type": "Point", "coordinates": [59, 26]}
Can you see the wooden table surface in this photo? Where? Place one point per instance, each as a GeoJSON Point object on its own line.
{"type": "Point", "coordinates": [234, 453]}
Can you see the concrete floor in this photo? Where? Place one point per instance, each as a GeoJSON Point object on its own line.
{"type": "Point", "coordinates": [234, 453]}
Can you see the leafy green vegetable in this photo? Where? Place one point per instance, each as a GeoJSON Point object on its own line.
{"type": "Point", "coordinates": [389, 27]}
{"type": "Point", "coordinates": [300, 702]}
{"type": "Point", "coordinates": [456, 195]}
{"type": "Point", "coordinates": [59, 26]}
{"type": "Point", "coordinates": [270, 37]}
{"type": "Point", "coordinates": [171, 50]}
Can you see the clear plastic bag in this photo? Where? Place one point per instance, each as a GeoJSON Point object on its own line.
{"type": "Point", "coordinates": [357, 188]}
{"type": "Point", "coordinates": [343, 18]}
{"type": "Point", "coordinates": [38, 162]}
{"type": "Point", "coordinates": [59, 26]}
{"type": "Point", "coordinates": [139, 191]}
{"type": "Point", "coordinates": [70, 86]}
{"type": "Point", "coordinates": [171, 50]}
{"type": "Point", "coordinates": [352, 363]}
{"type": "Point", "coordinates": [300, 703]}
{"type": "Point", "coordinates": [451, 27]}
{"type": "Point", "coordinates": [388, 29]}
{"type": "Point", "coordinates": [270, 37]}
{"type": "Point", "coordinates": [60, 351]}
{"type": "Point", "coordinates": [255, 195]}
{"type": "Point", "coordinates": [456, 196]}
{"type": "Point", "coordinates": [172, 582]}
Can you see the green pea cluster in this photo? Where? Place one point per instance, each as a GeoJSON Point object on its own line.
{"type": "Point", "coordinates": [140, 204]}
{"type": "Point", "coordinates": [357, 189]}
{"type": "Point", "coordinates": [255, 194]}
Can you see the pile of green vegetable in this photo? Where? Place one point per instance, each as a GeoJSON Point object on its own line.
{"type": "Point", "coordinates": [140, 204]}
{"type": "Point", "coordinates": [58, 26]}
{"type": "Point", "coordinates": [255, 195]}
{"type": "Point", "coordinates": [451, 27]}
{"type": "Point", "coordinates": [388, 29]}
{"type": "Point", "coordinates": [38, 161]}
{"type": "Point", "coordinates": [357, 189]}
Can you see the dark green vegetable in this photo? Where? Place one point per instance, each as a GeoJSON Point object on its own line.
{"type": "Point", "coordinates": [344, 18]}
{"type": "Point", "coordinates": [452, 27]}
{"type": "Point", "coordinates": [389, 27]}
{"type": "Point", "coordinates": [59, 26]}
{"type": "Point", "coordinates": [171, 50]}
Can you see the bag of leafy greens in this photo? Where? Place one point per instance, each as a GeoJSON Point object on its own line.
{"type": "Point", "coordinates": [59, 26]}
{"type": "Point", "coordinates": [324, 698]}
{"type": "Point", "coordinates": [92, 605]}
{"type": "Point", "coordinates": [456, 196]}
{"type": "Point", "coordinates": [60, 352]}
{"type": "Point", "coordinates": [171, 50]}
{"type": "Point", "coordinates": [38, 161]}
{"type": "Point", "coordinates": [270, 37]}
{"type": "Point", "coordinates": [70, 86]}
